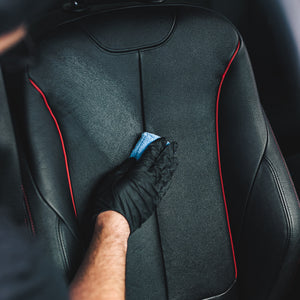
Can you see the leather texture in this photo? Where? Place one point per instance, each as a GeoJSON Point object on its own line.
{"type": "Point", "coordinates": [109, 77]}
{"type": "Point", "coordinates": [263, 203]}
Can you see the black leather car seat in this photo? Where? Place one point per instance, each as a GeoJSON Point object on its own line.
{"type": "Point", "coordinates": [283, 25]}
{"type": "Point", "coordinates": [229, 226]}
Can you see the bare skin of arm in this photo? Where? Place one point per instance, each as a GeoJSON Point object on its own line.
{"type": "Point", "coordinates": [11, 38]}
{"type": "Point", "coordinates": [102, 273]}
{"type": "Point", "coordinates": [128, 197]}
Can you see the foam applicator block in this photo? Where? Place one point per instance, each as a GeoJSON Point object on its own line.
{"type": "Point", "coordinates": [146, 139]}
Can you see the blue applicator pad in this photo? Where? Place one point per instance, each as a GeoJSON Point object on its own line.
{"type": "Point", "coordinates": [145, 140]}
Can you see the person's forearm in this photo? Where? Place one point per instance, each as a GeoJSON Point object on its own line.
{"type": "Point", "coordinates": [102, 273]}
{"type": "Point", "coordinates": [124, 200]}
{"type": "Point", "coordinates": [11, 38]}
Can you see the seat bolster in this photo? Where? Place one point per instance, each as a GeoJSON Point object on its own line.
{"type": "Point", "coordinates": [243, 136]}
{"type": "Point", "coordinates": [291, 207]}
{"type": "Point", "coordinates": [263, 205]}
{"type": "Point", "coordinates": [65, 249]}
{"type": "Point", "coordinates": [272, 215]}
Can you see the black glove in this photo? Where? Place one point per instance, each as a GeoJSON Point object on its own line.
{"type": "Point", "coordinates": [135, 188]}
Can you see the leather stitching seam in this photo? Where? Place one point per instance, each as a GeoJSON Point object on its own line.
{"type": "Point", "coordinates": [283, 202]}
{"type": "Point", "coordinates": [61, 243]}
{"type": "Point", "coordinates": [219, 155]}
{"type": "Point", "coordinates": [28, 210]}
{"type": "Point", "coordinates": [162, 256]}
{"type": "Point", "coordinates": [252, 186]}
{"type": "Point", "coordinates": [61, 140]}
{"type": "Point", "coordinates": [286, 167]}
{"type": "Point", "coordinates": [139, 48]}
{"type": "Point", "coordinates": [141, 91]}
{"type": "Point", "coordinates": [41, 197]}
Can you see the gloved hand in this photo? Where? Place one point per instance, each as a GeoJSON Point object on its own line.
{"type": "Point", "coordinates": [135, 188]}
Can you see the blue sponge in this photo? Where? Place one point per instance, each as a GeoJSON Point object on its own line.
{"type": "Point", "coordinates": [145, 140]}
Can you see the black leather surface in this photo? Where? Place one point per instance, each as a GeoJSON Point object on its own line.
{"type": "Point", "coordinates": [263, 204]}
{"type": "Point", "coordinates": [180, 100]}
{"type": "Point", "coordinates": [98, 106]}
{"type": "Point", "coordinates": [136, 31]}
{"type": "Point", "coordinates": [104, 99]}
{"type": "Point", "coordinates": [271, 207]}
{"type": "Point", "coordinates": [243, 136]}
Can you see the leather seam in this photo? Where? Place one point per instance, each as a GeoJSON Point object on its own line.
{"type": "Point", "coordinates": [162, 256]}
{"type": "Point", "coordinates": [156, 216]}
{"type": "Point", "coordinates": [138, 6]}
{"type": "Point", "coordinates": [219, 154]}
{"type": "Point", "coordinates": [28, 210]}
{"type": "Point", "coordinates": [286, 167]}
{"type": "Point", "coordinates": [224, 293]}
{"type": "Point", "coordinates": [138, 48]}
{"type": "Point", "coordinates": [141, 91]}
{"type": "Point", "coordinates": [288, 220]}
{"type": "Point", "coordinates": [283, 159]}
{"type": "Point", "coordinates": [236, 51]}
{"type": "Point", "coordinates": [61, 140]}
{"type": "Point", "coordinates": [39, 194]}
{"type": "Point", "coordinates": [63, 251]}
{"type": "Point", "coordinates": [251, 187]}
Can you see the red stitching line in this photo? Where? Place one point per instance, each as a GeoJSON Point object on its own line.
{"type": "Point", "coordinates": [219, 156]}
{"type": "Point", "coordinates": [286, 167]}
{"type": "Point", "coordinates": [28, 210]}
{"type": "Point", "coordinates": [61, 140]}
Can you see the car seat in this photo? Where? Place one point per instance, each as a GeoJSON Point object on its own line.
{"type": "Point", "coordinates": [229, 226]}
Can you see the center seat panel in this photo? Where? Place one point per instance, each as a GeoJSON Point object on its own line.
{"type": "Point", "coordinates": [180, 84]}
{"type": "Point", "coordinates": [106, 82]}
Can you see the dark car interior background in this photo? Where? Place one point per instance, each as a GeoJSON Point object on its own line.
{"type": "Point", "coordinates": [229, 228]}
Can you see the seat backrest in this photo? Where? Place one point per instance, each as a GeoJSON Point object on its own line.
{"type": "Point", "coordinates": [181, 72]}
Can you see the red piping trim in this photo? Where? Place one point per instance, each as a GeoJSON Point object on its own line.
{"type": "Point", "coordinates": [28, 210]}
{"type": "Point", "coordinates": [61, 140]}
{"type": "Point", "coordinates": [219, 156]}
